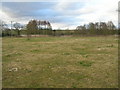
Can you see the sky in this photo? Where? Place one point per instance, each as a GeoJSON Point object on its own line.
{"type": "Point", "coordinates": [62, 14]}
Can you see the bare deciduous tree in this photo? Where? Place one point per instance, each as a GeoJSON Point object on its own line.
{"type": "Point", "coordinates": [17, 26]}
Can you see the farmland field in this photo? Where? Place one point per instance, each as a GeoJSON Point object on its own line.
{"type": "Point", "coordinates": [60, 62]}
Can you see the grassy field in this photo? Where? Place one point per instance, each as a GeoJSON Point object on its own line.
{"type": "Point", "coordinates": [60, 62]}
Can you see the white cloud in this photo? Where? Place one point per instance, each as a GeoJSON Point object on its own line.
{"type": "Point", "coordinates": [103, 10]}
{"type": "Point", "coordinates": [44, 0]}
{"type": "Point", "coordinates": [4, 16]}
{"type": "Point", "coordinates": [91, 11]}
{"type": "Point", "coordinates": [59, 26]}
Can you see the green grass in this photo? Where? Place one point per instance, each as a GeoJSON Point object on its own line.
{"type": "Point", "coordinates": [60, 62]}
{"type": "Point", "coordinates": [86, 63]}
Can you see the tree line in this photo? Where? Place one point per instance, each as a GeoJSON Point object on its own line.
{"type": "Point", "coordinates": [33, 27]}
{"type": "Point", "coordinates": [98, 28]}
{"type": "Point", "coordinates": [40, 27]}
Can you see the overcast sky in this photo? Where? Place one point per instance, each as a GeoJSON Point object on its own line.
{"type": "Point", "coordinates": [61, 14]}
